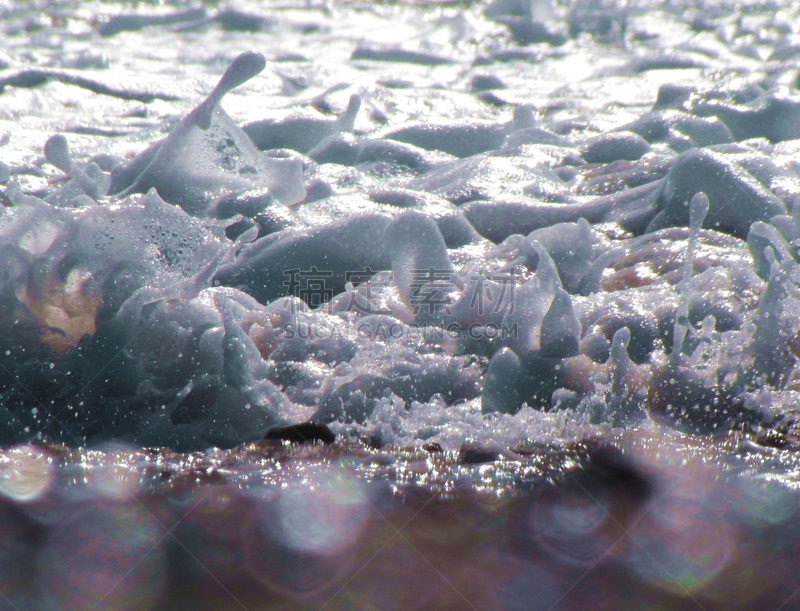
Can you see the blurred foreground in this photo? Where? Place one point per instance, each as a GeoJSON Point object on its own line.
{"type": "Point", "coordinates": [628, 522]}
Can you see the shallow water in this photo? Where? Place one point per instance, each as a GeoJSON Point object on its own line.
{"type": "Point", "coordinates": [474, 251]}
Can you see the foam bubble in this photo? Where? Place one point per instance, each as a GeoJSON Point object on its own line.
{"type": "Point", "coordinates": [25, 473]}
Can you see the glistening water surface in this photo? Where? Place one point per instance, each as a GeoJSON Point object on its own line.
{"type": "Point", "coordinates": [431, 305]}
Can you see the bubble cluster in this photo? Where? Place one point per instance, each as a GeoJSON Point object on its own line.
{"type": "Point", "coordinates": [417, 274]}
